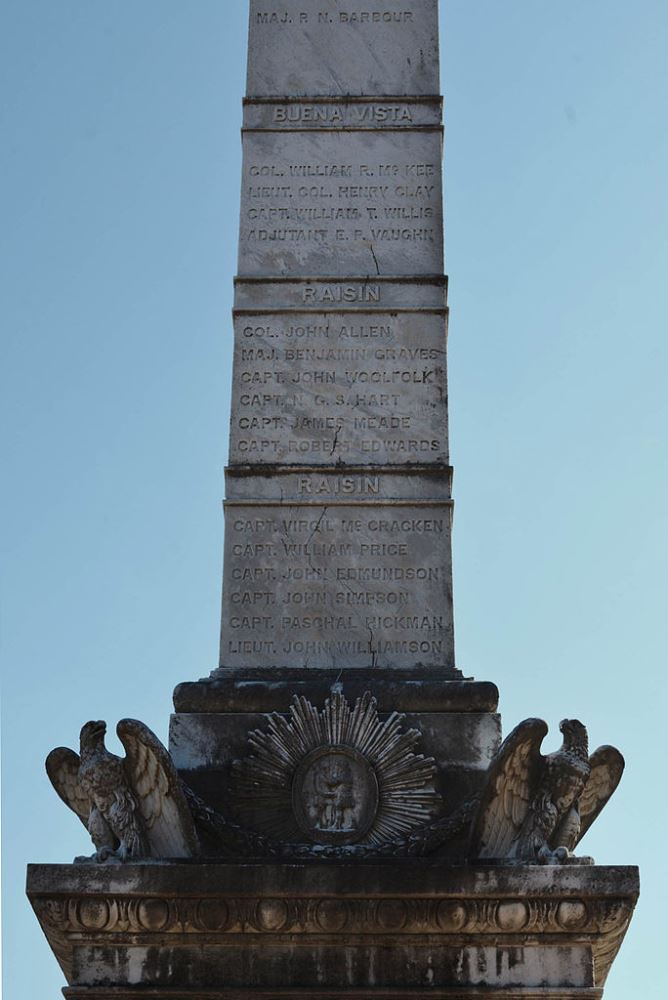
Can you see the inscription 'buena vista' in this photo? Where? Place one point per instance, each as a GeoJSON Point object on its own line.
{"type": "Point", "coordinates": [332, 114]}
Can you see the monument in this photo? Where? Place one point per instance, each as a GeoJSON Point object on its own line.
{"type": "Point", "coordinates": [336, 814]}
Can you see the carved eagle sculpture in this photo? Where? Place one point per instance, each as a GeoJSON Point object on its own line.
{"type": "Point", "coordinates": [536, 809]}
{"type": "Point", "coordinates": [134, 807]}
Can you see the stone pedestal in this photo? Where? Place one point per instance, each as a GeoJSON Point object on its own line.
{"type": "Point", "coordinates": [319, 932]}
{"type": "Point", "coordinates": [457, 720]}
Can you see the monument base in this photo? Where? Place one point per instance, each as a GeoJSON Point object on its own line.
{"type": "Point", "coordinates": [320, 931]}
{"type": "Point", "coordinates": [458, 722]}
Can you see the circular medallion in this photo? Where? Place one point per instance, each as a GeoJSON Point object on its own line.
{"type": "Point", "coordinates": [340, 775]}
{"type": "Point", "coordinates": [335, 795]}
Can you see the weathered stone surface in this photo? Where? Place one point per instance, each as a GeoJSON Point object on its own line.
{"type": "Point", "coordinates": [271, 690]}
{"type": "Point", "coordinates": [361, 389]}
{"type": "Point", "coordinates": [361, 113]}
{"type": "Point", "coordinates": [537, 808]}
{"type": "Point", "coordinates": [133, 807]}
{"type": "Point", "coordinates": [341, 203]}
{"type": "Point", "coordinates": [304, 296]}
{"type": "Point", "coordinates": [340, 377]}
{"type": "Point", "coordinates": [335, 483]}
{"type": "Point", "coordinates": [214, 740]}
{"type": "Point", "coordinates": [313, 993]}
{"type": "Point", "coordinates": [313, 585]}
{"type": "Point", "coordinates": [205, 745]}
{"type": "Point", "coordinates": [303, 48]}
{"type": "Point", "coordinates": [393, 930]}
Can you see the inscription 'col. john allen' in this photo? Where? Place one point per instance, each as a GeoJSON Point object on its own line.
{"type": "Point", "coordinates": [338, 509]}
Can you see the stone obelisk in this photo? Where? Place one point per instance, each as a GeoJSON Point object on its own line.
{"type": "Point", "coordinates": [336, 816]}
{"type": "Point", "coordinates": [338, 512]}
{"type": "Point", "coordinates": [339, 506]}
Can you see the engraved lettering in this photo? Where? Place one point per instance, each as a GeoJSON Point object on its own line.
{"type": "Point", "coordinates": [337, 485]}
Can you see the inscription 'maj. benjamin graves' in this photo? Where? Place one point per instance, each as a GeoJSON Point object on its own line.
{"type": "Point", "coordinates": [338, 510]}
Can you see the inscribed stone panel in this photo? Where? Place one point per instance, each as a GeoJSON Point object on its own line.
{"type": "Point", "coordinates": [356, 585]}
{"type": "Point", "coordinates": [353, 113]}
{"type": "Point", "coordinates": [339, 482]}
{"type": "Point", "coordinates": [304, 294]}
{"type": "Point", "coordinates": [360, 388]}
{"type": "Point", "coordinates": [341, 203]}
{"type": "Point", "coordinates": [332, 47]}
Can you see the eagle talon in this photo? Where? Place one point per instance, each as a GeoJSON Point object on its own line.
{"type": "Point", "coordinates": [103, 855]}
{"type": "Point", "coordinates": [560, 856]}
{"type": "Point", "coordinates": [122, 852]}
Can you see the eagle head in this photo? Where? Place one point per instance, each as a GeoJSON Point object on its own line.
{"type": "Point", "coordinates": [575, 735]}
{"type": "Point", "coordinates": [92, 735]}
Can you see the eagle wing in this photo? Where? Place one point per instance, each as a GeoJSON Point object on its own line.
{"type": "Point", "coordinates": [62, 767]}
{"type": "Point", "coordinates": [510, 785]}
{"type": "Point", "coordinates": [607, 767]}
{"type": "Point", "coordinates": [154, 780]}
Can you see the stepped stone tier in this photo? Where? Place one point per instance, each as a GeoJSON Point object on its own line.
{"type": "Point", "coordinates": [336, 815]}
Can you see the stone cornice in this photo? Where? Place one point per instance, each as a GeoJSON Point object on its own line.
{"type": "Point", "coordinates": [213, 904]}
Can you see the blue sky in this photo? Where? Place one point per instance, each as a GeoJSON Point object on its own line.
{"type": "Point", "coordinates": [120, 207]}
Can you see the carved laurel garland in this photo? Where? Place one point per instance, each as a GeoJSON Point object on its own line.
{"type": "Point", "coordinates": [362, 767]}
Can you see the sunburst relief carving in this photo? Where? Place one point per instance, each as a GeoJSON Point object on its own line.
{"type": "Point", "coordinates": [336, 776]}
